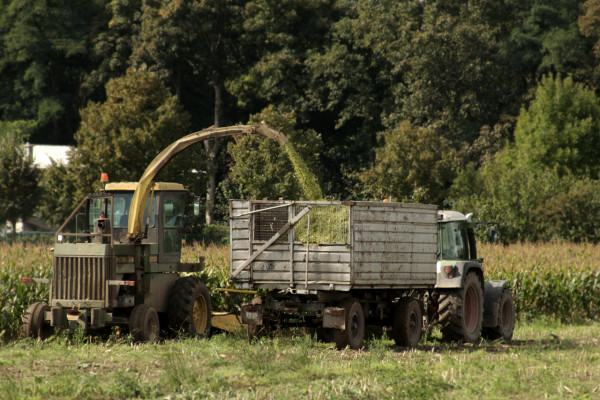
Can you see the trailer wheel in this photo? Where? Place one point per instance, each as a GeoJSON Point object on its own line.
{"type": "Point", "coordinates": [354, 334]}
{"type": "Point", "coordinates": [506, 318]}
{"type": "Point", "coordinates": [408, 322]}
{"type": "Point", "coordinates": [189, 307]}
{"type": "Point", "coordinates": [461, 311]}
{"type": "Point", "coordinates": [144, 325]}
{"type": "Point", "coordinates": [34, 324]}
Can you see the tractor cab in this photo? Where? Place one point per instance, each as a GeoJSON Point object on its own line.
{"type": "Point", "coordinates": [103, 218]}
{"type": "Point", "coordinates": [456, 237]}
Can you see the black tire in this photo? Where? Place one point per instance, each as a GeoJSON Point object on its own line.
{"type": "Point", "coordinates": [190, 307]}
{"type": "Point", "coordinates": [34, 324]}
{"type": "Point", "coordinates": [461, 311]}
{"type": "Point", "coordinates": [354, 334]}
{"type": "Point", "coordinates": [144, 324]}
{"type": "Point", "coordinates": [408, 322]}
{"type": "Point", "coordinates": [506, 319]}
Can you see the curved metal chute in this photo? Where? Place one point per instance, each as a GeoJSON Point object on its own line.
{"type": "Point", "coordinates": [135, 227]}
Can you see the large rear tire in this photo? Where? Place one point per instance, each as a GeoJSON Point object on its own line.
{"type": "Point", "coordinates": [408, 322]}
{"type": "Point", "coordinates": [190, 307]}
{"type": "Point", "coordinates": [34, 324]}
{"type": "Point", "coordinates": [144, 325]}
{"type": "Point", "coordinates": [461, 311]}
{"type": "Point", "coordinates": [506, 318]}
{"type": "Point", "coordinates": [354, 334]}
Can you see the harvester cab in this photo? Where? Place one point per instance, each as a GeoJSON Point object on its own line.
{"type": "Point", "coordinates": [100, 278]}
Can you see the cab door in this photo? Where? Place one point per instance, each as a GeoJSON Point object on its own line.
{"type": "Point", "coordinates": [172, 204]}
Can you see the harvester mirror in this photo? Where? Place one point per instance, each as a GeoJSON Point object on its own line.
{"type": "Point", "coordinates": [493, 234]}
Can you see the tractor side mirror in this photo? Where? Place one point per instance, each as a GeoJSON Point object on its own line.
{"type": "Point", "coordinates": [493, 234]}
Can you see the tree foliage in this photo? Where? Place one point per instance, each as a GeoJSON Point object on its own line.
{"type": "Point", "coordinates": [260, 166]}
{"type": "Point", "coordinates": [19, 177]}
{"type": "Point", "coordinates": [535, 187]}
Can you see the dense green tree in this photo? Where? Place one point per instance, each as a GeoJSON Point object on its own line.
{"type": "Point", "coordinates": [261, 167]}
{"type": "Point", "coordinates": [19, 178]}
{"type": "Point", "coordinates": [123, 134]}
{"type": "Point", "coordinates": [554, 159]}
{"type": "Point", "coordinates": [413, 164]}
{"type": "Point", "coordinates": [43, 57]}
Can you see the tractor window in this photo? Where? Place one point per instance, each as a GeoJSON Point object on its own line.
{"type": "Point", "coordinates": [452, 241]}
{"type": "Point", "coordinates": [122, 204]}
{"type": "Point", "coordinates": [172, 222]}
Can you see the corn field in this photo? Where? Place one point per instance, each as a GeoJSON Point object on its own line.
{"type": "Point", "coordinates": [555, 280]}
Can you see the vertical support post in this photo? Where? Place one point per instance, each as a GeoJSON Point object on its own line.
{"type": "Point", "coordinates": [250, 236]}
{"type": "Point", "coordinates": [307, 250]}
{"type": "Point", "coordinates": [291, 237]}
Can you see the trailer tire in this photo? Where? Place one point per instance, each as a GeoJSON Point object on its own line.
{"type": "Point", "coordinates": [461, 311]}
{"type": "Point", "coordinates": [34, 324]}
{"type": "Point", "coordinates": [189, 307]}
{"type": "Point", "coordinates": [354, 333]}
{"type": "Point", "coordinates": [144, 324]}
{"type": "Point", "coordinates": [408, 322]}
{"type": "Point", "coordinates": [506, 319]}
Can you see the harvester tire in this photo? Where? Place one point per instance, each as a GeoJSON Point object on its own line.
{"type": "Point", "coordinates": [144, 324]}
{"type": "Point", "coordinates": [461, 311]}
{"type": "Point", "coordinates": [189, 307]}
{"type": "Point", "coordinates": [354, 334]}
{"type": "Point", "coordinates": [34, 324]}
{"type": "Point", "coordinates": [506, 319]}
{"type": "Point", "coordinates": [408, 322]}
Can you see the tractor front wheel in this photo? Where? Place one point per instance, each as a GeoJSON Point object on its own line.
{"type": "Point", "coordinates": [144, 325]}
{"type": "Point", "coordinates": [190, 307]}
{"type": "Point", "coordinates": [34, 324]}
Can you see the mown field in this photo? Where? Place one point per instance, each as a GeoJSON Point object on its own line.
{"type": "Point", "coordinates": [555, 353]}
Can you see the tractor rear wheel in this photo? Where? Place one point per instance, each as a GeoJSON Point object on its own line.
{"type": "Point", "coordinates": [461, 311]}
{"type": "Point", "coordinates": [144, 325]}
{"type": "Point", "coordinates": [408, 322]}
{"type": "Point", "coordinates": [190, 307]}
{"type": "Point", "coordinates": [34, 324]}
{"type": "Point", "coordinates": [354, 333]}
{"type": "Point", "coordinates": [506, 318]}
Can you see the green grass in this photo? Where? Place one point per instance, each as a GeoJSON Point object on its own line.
{"type": "Point", "coordinates": [546, 359]}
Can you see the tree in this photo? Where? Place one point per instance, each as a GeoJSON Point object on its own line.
{"type": "Point", "coordinates": [413, 164]}
{"type": "Point", "coordinates": [123, 134]}
{"type": "Point", "coordinates": [262, 168]}
{"type": "Point", "coordinates": [534, 187]}
{"type": "Point", "coordinates": [19, 193]}
{"type": "Point", "coordinates": [195, 46]}
{"type": "Point", "coordinates": [560, 129]}
{"type": "Point", "coordinates": [44, 48]}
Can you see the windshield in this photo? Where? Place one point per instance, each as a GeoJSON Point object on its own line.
{"type": "Point", "coordinates": [452, 241]}
{"type": "Point", "coordinates": [121, 210]}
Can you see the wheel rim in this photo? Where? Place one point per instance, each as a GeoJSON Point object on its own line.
{"type": "Point", "coordinates": [152, 328]}
{"type": "Point", "coordinates": [471, 309]}
{"type": "Point", "coordinates": [199, 314]}
{"type": "Point", "coordinates": [354, 326]}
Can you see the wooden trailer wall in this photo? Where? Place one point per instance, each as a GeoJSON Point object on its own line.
{"type": "Point", "coordinates": [352, 245]}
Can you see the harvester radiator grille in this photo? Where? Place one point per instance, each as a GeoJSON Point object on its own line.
{"type": "Point", "coordinates": [81, 278]}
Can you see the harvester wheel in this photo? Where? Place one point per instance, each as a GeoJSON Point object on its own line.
{"type": "Point", "coordinates": [408, 322]}
{"type": "Point", "coordinates": [354, 334]}
{"type": "Point", "coordinates": [189, 307]}
{"type": "Point", "coordinates": [461, 311]}
{"type": "Point", "coordinates": [144, 325]}
{"type": "Point", "coordinates": [506, 318]}
{"type": "Point", "coordinates": [34, 324]}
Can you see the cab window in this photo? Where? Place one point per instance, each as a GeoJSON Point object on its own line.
{"type": "Point", "coordinates": [452, 241]}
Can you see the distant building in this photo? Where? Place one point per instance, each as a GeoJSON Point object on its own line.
{"type": "Point", "coordinates": [43, 154]}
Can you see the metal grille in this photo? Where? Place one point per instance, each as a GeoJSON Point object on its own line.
{"type": "Point", "coordinates": [81, 278]}
{"type": "Point", "coordinates": [267, 223]}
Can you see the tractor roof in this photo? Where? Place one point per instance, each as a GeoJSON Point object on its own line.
{"type": "Point", "coordinates": [131, 186]}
